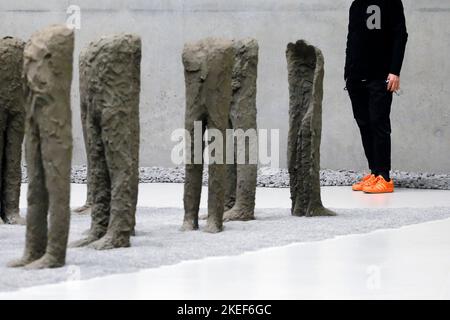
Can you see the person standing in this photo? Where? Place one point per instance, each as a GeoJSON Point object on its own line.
{"type": "Point", "coordinates": [376, 44]}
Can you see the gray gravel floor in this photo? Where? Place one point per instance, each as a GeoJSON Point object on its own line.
{"type": "Point", "coordinates": [272, 178]}
{"type": "Point", "coordinates": [159, 242]}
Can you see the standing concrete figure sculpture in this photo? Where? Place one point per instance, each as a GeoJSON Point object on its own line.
{"type": "Point", "coordinates": [86, 208]}
{"type": "Point", "coordinates": [208, 68]}
{"type": "Point", "coordinates": [306, 72]}
{"type": "Point", "coordinates": [110, 88]}
{"type": "Point", "coordinates": [12, 126]}
{"type": "Point", "coordinates": [241, 178]}
{"type": "Point", "coordinates": [48, 59]}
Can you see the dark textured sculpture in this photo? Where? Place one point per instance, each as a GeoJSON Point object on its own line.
{"type": "Point", "coordinates": [110, 88]}
{"type": "Point", "coordinates": [12, 126]}
{"type": "Point", "coordinates": [208, 68]}
{"type": "Point", "coordinates": [48, 59]}
{"type": "Point", "coordinates": [241, 178]}
{"type": "Point", "coordinates": [306, 72]}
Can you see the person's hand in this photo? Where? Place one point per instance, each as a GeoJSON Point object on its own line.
{"type": "Point", "coordinates": [394, 83]}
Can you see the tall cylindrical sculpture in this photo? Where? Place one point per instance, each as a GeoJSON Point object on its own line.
{"type": "Point", "coordinates": [306, 73]}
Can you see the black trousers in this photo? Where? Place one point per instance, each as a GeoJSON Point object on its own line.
{"type": "Point", "coordinates": [371, 102]}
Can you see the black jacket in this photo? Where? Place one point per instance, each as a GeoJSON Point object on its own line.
{"type": "Point", "coordinates": [375, 50]}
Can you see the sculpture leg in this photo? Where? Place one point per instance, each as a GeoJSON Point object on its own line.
{"type": "Point", "coordinates": [193, 179]}
{"type": "Point", "coordinates": [134, 181]}
{"type": "Point", "coordinates": [86, 208]}
{"type": "Point", "coordinates": [12, 168]}
{"type": "Point", "coordinates": [242, 177]}
{"type": "Point", "coordinates": [217, 171]}
{"type": "Point", "coordinates": [194, 168]}
{"type": "Point", "coordinates": [231, 174]}
{"type": "Point", "coordinates": [100, 182]}
{"type": "Point", "coordinates": [217, 96]}
{"type": "Point", "coordinates": [244, 209]}
{"type": "Point", "coordinates": [230, 190]}
{"type": "Point", "coordinates": [36, 233]}
{"type": "Point", "coordinates": [89, 196]}
{"type": "Point", "coordinates": [116, 136]}
{"type": "Point", "coordinates": [56, 155]}
{"type": "Point", "coordinates": [245, 175]}
{"type": "Point", "coordinates": [12, 122]}
{"type": "Point", "coordinates": [192, 194]}
{"type": "Point", "coordinates": [216, 196]}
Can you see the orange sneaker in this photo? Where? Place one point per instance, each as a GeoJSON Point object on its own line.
{"type": "Point", "coordinates": [367, 180]}
{"type": "Point", "coordinates": [380, 186]}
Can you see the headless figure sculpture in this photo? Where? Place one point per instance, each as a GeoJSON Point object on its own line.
{"type": "Point", "coordinates": [48, 59]}
{"type": "Point", "coordinates": [208, 72]}
{"type": "Point", "coordinates": [110, 87]}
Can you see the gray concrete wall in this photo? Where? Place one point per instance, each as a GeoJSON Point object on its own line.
{"type": "Point", "coordinates": [421, 116]}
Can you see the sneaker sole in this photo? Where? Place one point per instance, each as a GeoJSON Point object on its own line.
{"type": "Point", "coordinates": [378, 192]}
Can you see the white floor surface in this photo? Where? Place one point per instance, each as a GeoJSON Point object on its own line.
{"type": "Point", "coordinates": [411, 262]}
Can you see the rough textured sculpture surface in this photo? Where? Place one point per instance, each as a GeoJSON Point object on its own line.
{"type": "Point", "coordinates": [12, 126]}
{"type": "Point", "coordinates": [306, 73]}
{"type": "Point", "coordinates": [241, 178]}
{"type": "Point", "coordinates": [110, 88]}
{"type": "Point", "coordinates": [208, 68]}
{"type": "Point", "coordinates": [48, 59]}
